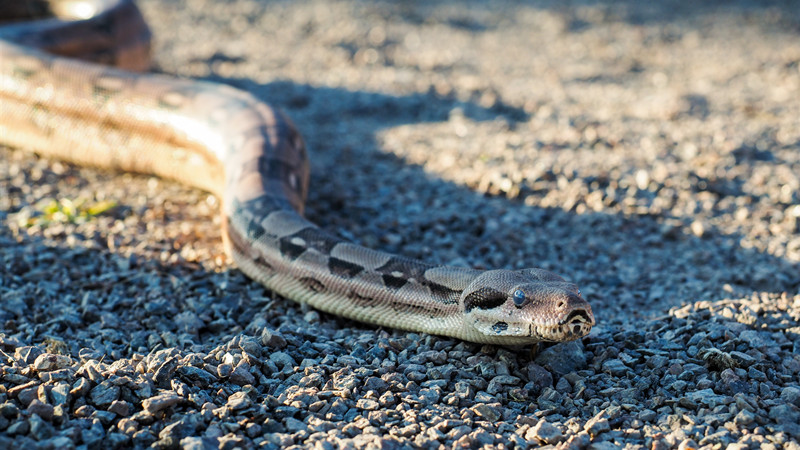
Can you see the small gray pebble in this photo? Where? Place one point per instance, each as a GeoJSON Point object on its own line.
{"type": "Point", "coordinates": [744, 418]}
{"type": "Point", "coordinates": [615, 367]}
{"type": "Point", "coordinates": [367, 404]}
{"type": "Point", "coordinates": [242, 376]}
{"type": "Point", "coordinates": [486, 412]}
{"type": "Point", "coordinates": [42, 410]}
{"type": "Point", "coordinates": [196, 375]}
{"type": "Point", "coordinates": [39, 428]}
{"type": "Point", "coordinates": [160, 402]}
{"type": "Point", "coordinates": [104, 393]}
{"type": "Point", "coordinates": [120, 408]}
{"type": "Point", "coordinates": [597, 425]}
{"type": "Point", "coordinates": [545, 433]}
{"type": "Point", "coordinates": [47, 362]}
{"type": "Point", "coordinates": [791, 394]}
{"type": "Point", "coordinates": [563, 358]}
{"type": "Point", "coordinates": [293, 425]}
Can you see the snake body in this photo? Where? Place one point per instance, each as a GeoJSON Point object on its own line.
{"type": "Point", "coordinates": [250, 156]}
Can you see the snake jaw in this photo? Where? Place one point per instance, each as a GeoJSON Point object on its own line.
{"type": "Point", "coordinates": [577, 325]}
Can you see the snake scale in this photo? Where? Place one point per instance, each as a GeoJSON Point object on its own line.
{"type": "Point", "coordinates": [249, 155]}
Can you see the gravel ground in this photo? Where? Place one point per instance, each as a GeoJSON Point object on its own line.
{"type": "Point", "coordinates": [647, 152]}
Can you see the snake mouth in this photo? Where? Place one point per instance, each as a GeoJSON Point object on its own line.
{"type": "Point", "coordinates": [575, 326]}
{"type": "Point", "coordinates": [578, 318]}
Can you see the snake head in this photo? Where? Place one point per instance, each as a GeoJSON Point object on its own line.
{"type": "Point", "coordinates": [526, 306]}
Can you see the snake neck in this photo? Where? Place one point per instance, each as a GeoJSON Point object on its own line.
{"type": "Point", "coordinates": [295, 258]}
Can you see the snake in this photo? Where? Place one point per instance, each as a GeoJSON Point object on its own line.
{"type": "Point", "coordinates": [74, 86]}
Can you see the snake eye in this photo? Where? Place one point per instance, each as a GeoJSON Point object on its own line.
{"type": "Point", "coordinates": [519, 297]}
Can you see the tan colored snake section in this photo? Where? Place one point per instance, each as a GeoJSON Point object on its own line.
{"type": "Point", "coordinates": [250, 155]}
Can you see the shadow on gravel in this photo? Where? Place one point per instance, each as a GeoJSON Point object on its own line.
{"type": "Point", "coordinates": [639, 265]}
{"type": "Point", "coordinates": [642, 265]}
{"type": "Point", "coordinates": [138, 306]}
{"type": "Point", "coordinates": [581, 14]}
{"type": "Point", "coordinates": [645, 264]}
